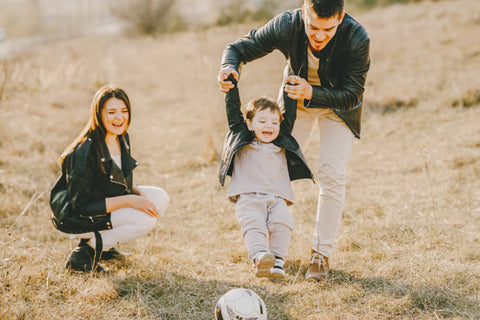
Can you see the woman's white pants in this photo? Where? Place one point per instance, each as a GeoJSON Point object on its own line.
{"type": "Point", "coordinates": [128, 223]}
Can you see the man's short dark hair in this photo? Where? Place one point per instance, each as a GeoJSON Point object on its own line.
{"type": "Point", "coordinates": [326, 8]}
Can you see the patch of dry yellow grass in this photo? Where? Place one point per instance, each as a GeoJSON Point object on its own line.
{"type": "Point", "coordinates": [408, 247]}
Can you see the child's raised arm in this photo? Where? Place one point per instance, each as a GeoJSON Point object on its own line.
{"type": "Point", "coordinates": [290, 111]}
{"type": "Point", "coordinates": [233, 105]}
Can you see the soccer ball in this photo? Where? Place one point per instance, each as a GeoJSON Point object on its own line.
{"type": "Point", "coordinates": [240, 304]}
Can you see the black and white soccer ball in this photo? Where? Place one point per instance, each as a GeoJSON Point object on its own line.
{"type": "Point", "coordinates": [240, 304]}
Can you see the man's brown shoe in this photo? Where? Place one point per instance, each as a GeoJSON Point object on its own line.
{"type": "Point", "coordinates": [318, 269]}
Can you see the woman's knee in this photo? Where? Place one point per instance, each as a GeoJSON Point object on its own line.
{"type": "Point", "coordinates": [161, 201]}
{"type": "Point", "coordinates": [146, 223]}
{"type": "Point", "coordinates": [157, 196]}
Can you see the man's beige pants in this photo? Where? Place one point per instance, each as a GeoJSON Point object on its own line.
{"type": "Point", "coordinates": [335, 145]}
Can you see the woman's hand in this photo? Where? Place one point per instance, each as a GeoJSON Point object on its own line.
{"type": "Point", "coordinates": [139, 202]}
{"type": "Point", "coordinates": [300, 89]}
{"type": "Point", "coordinates": [143, 204]}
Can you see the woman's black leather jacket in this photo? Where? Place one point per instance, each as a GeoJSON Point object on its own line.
{"type": "Point", "coordinates": [89, 175]}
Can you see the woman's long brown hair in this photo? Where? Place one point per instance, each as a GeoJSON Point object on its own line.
{"type": "Point", "coordinates": [95, 123]}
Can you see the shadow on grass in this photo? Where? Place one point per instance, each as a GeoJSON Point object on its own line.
{"type": "Point", "coordinates": [440, 301]}
{"type": "Point", "coordinates": [443, 301]}
{"type": "Point", "coordinates": [173, 296]}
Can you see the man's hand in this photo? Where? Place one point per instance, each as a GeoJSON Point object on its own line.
{"type": "Point", "coordinates": [225, 86]}
{"type": "Point", "coordinates": [300, 89]}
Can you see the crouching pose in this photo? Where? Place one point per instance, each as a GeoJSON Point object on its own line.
{"type": "Point", "coordinates": [262, 157]}
{"type": "Point", "coordinates": [95, 199]}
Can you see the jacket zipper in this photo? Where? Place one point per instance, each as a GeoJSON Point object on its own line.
{"type": "Point", "coordinates": [125, 186]}
{"type": "Point", "coordinates": [92, 217]}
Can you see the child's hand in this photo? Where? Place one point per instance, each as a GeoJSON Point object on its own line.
{"type": "Point", "coordinates": [298, 88]}
{"type": "Point", "coordinates": [226, 85]}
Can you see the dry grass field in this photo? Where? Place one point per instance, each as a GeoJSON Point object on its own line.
{"type": "Point", "coordinates": [409, 243]}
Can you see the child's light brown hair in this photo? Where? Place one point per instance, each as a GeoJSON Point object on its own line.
{"type": "Point", "coordinates": [261, 104]}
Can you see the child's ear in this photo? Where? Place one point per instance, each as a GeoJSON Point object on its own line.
{"type": "Point", "coordinates": [249, 124]}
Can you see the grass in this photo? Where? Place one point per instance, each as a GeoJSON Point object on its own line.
{"type": "Point", "coordinates": [408, 246]}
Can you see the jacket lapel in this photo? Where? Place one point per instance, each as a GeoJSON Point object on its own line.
{"type": "Point", "coordinates": [115, 174]}
{"type": "Point", "coordinates": [128, 163]}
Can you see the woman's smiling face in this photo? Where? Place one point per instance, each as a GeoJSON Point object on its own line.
{"type": "Point", "coordinates": [115, 116]}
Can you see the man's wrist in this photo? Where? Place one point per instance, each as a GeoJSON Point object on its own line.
{"type": "Point", "coordinates": [309, 92]}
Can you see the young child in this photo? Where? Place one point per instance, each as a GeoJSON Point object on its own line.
{"type": "Point", "coordinates": [262, 157]}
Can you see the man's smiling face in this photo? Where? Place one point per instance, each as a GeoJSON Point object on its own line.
{"type": "Point", "coordinates": [319, 30]}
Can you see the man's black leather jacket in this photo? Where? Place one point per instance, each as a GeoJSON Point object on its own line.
{"type": "Point", "coordinates": [343, 64]}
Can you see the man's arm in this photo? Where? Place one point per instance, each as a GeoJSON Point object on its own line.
{"type": "Point", "coordinates": [256, 44]}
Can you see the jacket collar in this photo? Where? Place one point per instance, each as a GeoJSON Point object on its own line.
{"type": "Point", "coordinates": [128, 162]}
{"type": "Point", "coordinates": [325, 54]}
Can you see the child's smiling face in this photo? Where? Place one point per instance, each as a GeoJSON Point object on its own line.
{"type": "Point", "coordinates": [265, 124]}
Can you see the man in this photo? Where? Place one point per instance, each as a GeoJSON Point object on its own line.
{"type": "Point", "coordinates": [327, 54]}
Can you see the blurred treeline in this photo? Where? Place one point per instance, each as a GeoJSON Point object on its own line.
{"type": "Point", "coordinates": [159, 16]}
{"type": "Point", "coordinates": [61, 18]}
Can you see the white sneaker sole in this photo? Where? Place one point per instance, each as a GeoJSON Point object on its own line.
{"type": "Point", "coordinates": [264, 265]}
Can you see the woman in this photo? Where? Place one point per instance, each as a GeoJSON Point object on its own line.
{"type": "Point", "coordinates": [95, 199]}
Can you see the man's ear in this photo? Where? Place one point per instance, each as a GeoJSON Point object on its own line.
{"type": "Point", "coordinates": [341, 17]}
